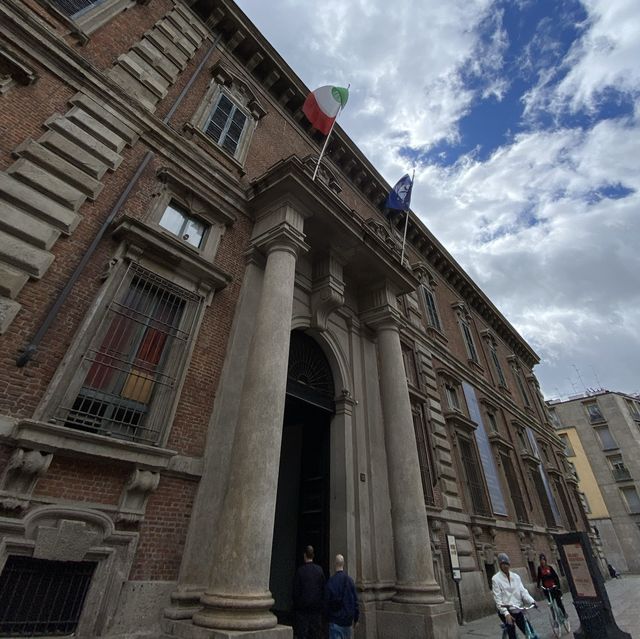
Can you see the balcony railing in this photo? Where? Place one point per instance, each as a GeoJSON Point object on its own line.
{"type": "Point", "coordinates": [621, 474]}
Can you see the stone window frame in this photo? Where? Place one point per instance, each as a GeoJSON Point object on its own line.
{"type": "Point", "coordinates": [465, 322]}
{"type": "Point", "coordinates": [147, 244]}
{"type": "Point", "coordinates": [225, 82]}
{"type": "Point", "coordinates": [70, 533]}
{"type": "Point", "coordinates": [428, 285]}
{"type": "Point", "coordinates": [91, 18]}
{"type": "Point", "coordinates": [521, 383]}
{"type": "Point", "coordinates": [410, 361]}
{"type": "Point", "coordinates": [492, 344]}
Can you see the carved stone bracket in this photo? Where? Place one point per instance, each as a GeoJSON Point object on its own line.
{"type": "Point", "coordinates": [133, 500]}
{"type": "Point", "coordinates": [327, 293]}
{"type": "Point", "coordinates": [20, 477]}
{"type": "Point", "coordinates": [381, 231]}
{"type": "Point", "coordinates": [325, 174]}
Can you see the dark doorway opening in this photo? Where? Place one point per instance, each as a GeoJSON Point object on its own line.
{"type": "Point", "coordinates": [490, 570]}
{"type": "Point", "coordinates": [302, 507]}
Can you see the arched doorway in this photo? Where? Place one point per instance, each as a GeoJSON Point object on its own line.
{"type": "Point", "coordinates": [302, 508]}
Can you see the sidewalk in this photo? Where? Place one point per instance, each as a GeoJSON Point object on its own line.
{"type": "Point", "coordinates": [624, 595]}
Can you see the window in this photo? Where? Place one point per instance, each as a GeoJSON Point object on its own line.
{"type": "Point", "coordinates": [226, 124]}
{"type": "Point", "coordinates": [568, 450]}
{"type": "Point", "coordinates": [473, 477]}
{"type": "Point", "coordinates": [514, 488]}
{"type": "Point", "coordinates": [75, 8]}
{"type": "Point", "coordinates": [493, 423]}
{"type": "Point", "coordinates": [593, 410]}
{"type": "Point", "coordinates": [543, 498]}
{"type": "Point", "coordinates": [568, 510]}
{"type": "Point", "coordinates": [496, 364]}
{"type": "Point", "coordinates": [619, 470]}
{"type": "Point", "coordinates": [606, 438]}
{"type": "Point", "coordinates": [555, 420]}
{"type": "Point", "coordinates": [521, 387]}
{"type": "Point", "coordinates": [185, 226]}
{"type": "Point", "coordinates": [433, 318]}
{"type": "Point", "coordinates": [468, 340]}
{"type": "Point", "coordinates": [633, 409]}
{"type": "Point", "coordinates": [424, 453]}
{"type": "Point", "coordinates": [452, 397]}
{"type": "Point", "coordinates": [129, 372]}
{"type": "Point", "coordinates": [522, 440]}
{"type": "Point", "coordinates": [631, 497]}
{"type": "Point", "coordinates": [41, 597]}
{"type": "Point", "coordinates": [410, 367]}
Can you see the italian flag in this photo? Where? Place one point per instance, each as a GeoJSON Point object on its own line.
{"type": "Point", "coordinates": [323, 105]}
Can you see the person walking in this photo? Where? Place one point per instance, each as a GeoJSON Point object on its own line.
{"type": "Point", "coordinates": [548, 578]}
{"type": "Point", "coordinates": [308, 598]}
{"type": "Point", "coordinates": [341, 602]}
{"type": "Point", "coordinates": [510, 596]}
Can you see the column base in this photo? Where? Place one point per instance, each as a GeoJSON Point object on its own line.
{"type": "Point", "coordinates": [174, 629]}
{"type": "Point", "coordinates": [411, 621]}
{"type": "Point", "coordinates": [240, 612]}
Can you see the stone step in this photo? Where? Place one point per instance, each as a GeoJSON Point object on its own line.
{"type": "Point", "coordinates": [39, 205]}
{"type": "Point", "coordinates": [74, 154]}
{"type": "Point", "coordinates": [26, 227]}
{"type": "Point", "coordinates": [8, 310]}
{"type": "Point", "coordinates": [25, 256]}
{"type": "Point", "coordinates": [42, 180]}
{"type": "Point", "coordinates": [11, 280]}
{"type": "Point", "coordinates": [55, 164]}
{"type": "Point", "coordinates": [115, 123]}
{"type": "Point", "coordinates": [73, 132]}
{"type": "Point", "coordinates": [96, 129]}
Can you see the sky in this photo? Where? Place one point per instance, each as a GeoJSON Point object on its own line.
{"type": "Point", "coordinates": [522, 119]}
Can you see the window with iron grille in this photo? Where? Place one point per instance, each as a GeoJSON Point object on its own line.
{"type": "Point", "coordinates": [468, 340]}
{"type": "Point", "coordinates": [226, 124]}
{"type": "Point", "coordinates": [433, 318]}
{"type": "Point", "coordinates": [423, 443]}
{"type": "Point", "coordinates": [74, 8]}
{"type": "Point", "coordinates": [42, 598]}
{"type": "Point", "coordinates": [129, 373]}
{"type": "Point", "coordinates": [514, 488]}
{"type": "Point", "coordinates": [473, 477]}
{"type": "Point", "coordinates": [544, 499]}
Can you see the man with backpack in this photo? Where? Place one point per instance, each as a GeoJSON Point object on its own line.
{"type": "Point", "coordinates": [341, 602]}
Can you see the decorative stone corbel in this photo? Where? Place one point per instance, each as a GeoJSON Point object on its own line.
{"type": "Point", "coordinates": [327, 293]}
{"type": "Point", "coordinates": [24, 469]}
{"type": "Point", "coordinates": [133, 500]}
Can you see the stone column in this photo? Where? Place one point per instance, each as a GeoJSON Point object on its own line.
{"type": "Point", "coordinates": [415, 581]}
{"type": "Point", "coordinates": [238, 597]}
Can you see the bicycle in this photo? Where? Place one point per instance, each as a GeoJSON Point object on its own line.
{"type": "Point", "coordinates": [531, 633]}
{"type": "Point", "coordinates": [559, 621]}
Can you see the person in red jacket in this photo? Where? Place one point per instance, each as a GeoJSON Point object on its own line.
{"type": "Point", "coordinates": [548, 578]}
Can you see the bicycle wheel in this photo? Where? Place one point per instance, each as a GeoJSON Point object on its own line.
{"type": "Point", "coordinates": [553, 622]}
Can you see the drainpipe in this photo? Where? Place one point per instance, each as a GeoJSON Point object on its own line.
{"type": "Point", "coordinates": [30, 350]}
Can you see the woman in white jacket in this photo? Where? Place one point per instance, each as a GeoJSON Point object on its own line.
{"type": "Point", "coordinates": [510, 596]}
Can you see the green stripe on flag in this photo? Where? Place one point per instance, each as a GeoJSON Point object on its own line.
{"type": "Point", "coordinates": [340, 95]}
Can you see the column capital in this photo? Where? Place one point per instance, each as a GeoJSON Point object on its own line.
{"type": "Point", "coordinates": [382, 318]}
{"type": "Point", "coordinates": [283, 237]}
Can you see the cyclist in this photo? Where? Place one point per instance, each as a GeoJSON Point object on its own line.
{"type": "Point", "coordinates": [548, 578]}
{"type": "Point", "coordinates": [510, 596]}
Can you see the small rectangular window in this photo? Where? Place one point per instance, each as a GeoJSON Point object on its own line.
{"type": "Point", "coordinates": [633, 408]}
{"type": "Point", "coordinates": [452, 397]}
{"type": "Point", "coordinates": [606, 438]}
{"type": "Point", "coordinates": [619, 470]}
{"type": "Point", "coordinates": [631, 497]}
{"type": "Point", "coordinates": [226, 124]}
{"type": "Point", "coordinates": [593, 410]}
{"type": "Point", "coordinates": [493, 424]}
{"type": "Point", "coordinates": [75, 8]}
{"type": "Point", "coordinates": [185, 226]}
{"type": "Point", "coordinates": [42, 598]}
{"type": "Point", "coordinates": [410, 366]}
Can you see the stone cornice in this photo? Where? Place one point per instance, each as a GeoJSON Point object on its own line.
{"type": "Point", "coordinates": [21, 26]}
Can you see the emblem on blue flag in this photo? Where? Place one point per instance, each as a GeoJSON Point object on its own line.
{"type": "Point", "coordinates": [400, 197]}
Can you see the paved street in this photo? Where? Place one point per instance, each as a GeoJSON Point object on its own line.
{"type": "Point", "coordinates": [625, 599]}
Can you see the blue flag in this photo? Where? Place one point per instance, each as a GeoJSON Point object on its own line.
{"type": "Point", "coordinates": [400, 197]}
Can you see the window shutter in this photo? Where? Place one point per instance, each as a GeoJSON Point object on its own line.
{"type": "Point", "coordinates": [236, 126]}
{"type": "Point", "coordinates": [218, 120]}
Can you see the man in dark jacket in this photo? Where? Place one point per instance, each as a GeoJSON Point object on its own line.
{"type": "Point", "coordinates": [341, 602]}
{"type": "Point", "coordinates": [308, 598]}
{"type": "Point", "coordinates": [548, 578]}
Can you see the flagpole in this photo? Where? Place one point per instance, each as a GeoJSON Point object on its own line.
{"type": "Point", "coordinates": [406, 221]}
{"type": "Point", "coordinates": [326, 141]}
